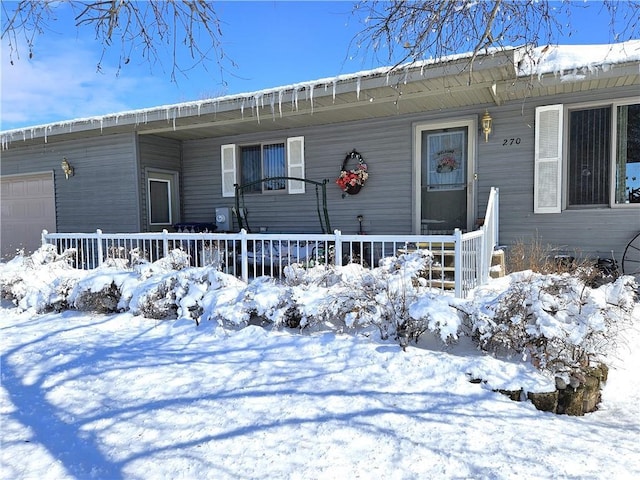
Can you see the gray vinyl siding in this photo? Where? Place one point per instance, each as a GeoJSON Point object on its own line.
{"type": "Point", "coordinates": [102, 192]}
{"type": "Point", "coordinates": [160, 154]}
{"type": "Point", "coordinates": [385, 201]}
{"type": "Point", "coordinates": [594, 232]}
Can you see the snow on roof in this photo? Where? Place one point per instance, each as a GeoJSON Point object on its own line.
{"type": "Point", "coordinates": [571, 62]}
{"type": "Point", "coordinates": [567, 60]}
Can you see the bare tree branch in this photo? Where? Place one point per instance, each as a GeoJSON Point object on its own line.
{"type": "Point", "coordinates": [407, 31]}
{"type": "Point", "coordinates": [145, 29]}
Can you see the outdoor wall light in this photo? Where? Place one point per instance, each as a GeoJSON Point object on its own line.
{"type": "Point", "coordinates": [486, 125]}
{"type": "Point", "coordinates": [67, 169]}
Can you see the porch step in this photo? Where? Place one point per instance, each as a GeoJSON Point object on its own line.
{"type": "Point", "coordinates": [498, 264]}
{"type": "Point", "coordinates": [444, 284]}
{"type": "Point", "coordinates": [440, 268]}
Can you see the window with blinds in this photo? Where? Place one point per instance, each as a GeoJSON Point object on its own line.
{"type": "Point", "coordinates": [627, 154]}
{"type": "Point", "coordinates": [589, 156]}
{"type": "Point", "coordinates": [263, 161]}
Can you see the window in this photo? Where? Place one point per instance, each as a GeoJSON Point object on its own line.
{"type": "Point", "coordinates": [252, 163]}
{"type": "Point", "coordinates": [262, 161]}
{"type": "Point", "coordinates": [589, 156]}
{"type": "Point", "coordinates": [602, 156]}
{"type": "Point", "coordinates": [159, 202]}
{"type": "Point", "coordinates": [162, 197]}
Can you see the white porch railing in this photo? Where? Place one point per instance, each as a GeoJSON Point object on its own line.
{"type": "Point", "coordinates": [248, 255]}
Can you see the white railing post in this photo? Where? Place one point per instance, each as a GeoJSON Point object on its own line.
{"type": "Point", "coordinates": [244, 256]}
{"type": "Point", "coordinates": [43, 237]}
{"type": "Point", "coordinates": [457, 262]}
{"type": "Point", "coordinates": [337, 249]}
{"type": "Point", "coordinates": [165, 243]}
{"type": "Point", "coordinates": [99, 246]}
{"type": "Point", "coordinates": [496, 215]}
{"type": "Point", "coordinates": [485, 255]}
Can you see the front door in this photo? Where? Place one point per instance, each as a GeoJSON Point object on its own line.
{"type": "Point", "coordinates": [445, 162]}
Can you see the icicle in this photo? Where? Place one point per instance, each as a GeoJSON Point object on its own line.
{"type": "Point", "coordinates": [257, 107]}
{"type": "Point", "coordinates": [311, 96]}
{"type": "Point", "coordinates": [280, 95]}
{"type": "Point", "coordinates": [358, 88]}
{"type": "Point", "coordinates": [273, 106]}
{"type": "Point", "coordinates": [335, 84]}
{"type": "Point", "coordinates": [101, 124]}
{"type": "Point", "coordinates": [242, 108]}
{"type": "Point", "coordinates": [294, 99]}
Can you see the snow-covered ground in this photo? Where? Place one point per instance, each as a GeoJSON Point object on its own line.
{"type": "Point", "coordinates": [120, 396]}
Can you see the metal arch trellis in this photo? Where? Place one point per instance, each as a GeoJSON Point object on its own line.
{"type": "Point", "coordinates": [321, 201]}
{"type": "Point", "coordinates": [631, 257]}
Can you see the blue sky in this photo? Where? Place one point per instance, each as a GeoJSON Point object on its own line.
{"type": "Point", "coordinates": [273, 43]}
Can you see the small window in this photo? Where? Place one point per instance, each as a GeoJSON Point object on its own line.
{"type": "Point", "coordinates": [159, 202]}
{"type": "Point", "coordinates": [262, 161]}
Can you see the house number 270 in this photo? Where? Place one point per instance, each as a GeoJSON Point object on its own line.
{"type": "Point", "coordinates": [510, 141]}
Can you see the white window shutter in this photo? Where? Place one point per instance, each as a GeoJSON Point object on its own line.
{"type": "Point", "coordinates": [228, 169]}
{"type": "Point", "coordinates": [295, 164]}
{"type": "Point", "coordinates": [547, 196]}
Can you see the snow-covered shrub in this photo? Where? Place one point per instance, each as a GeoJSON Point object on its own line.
{"type": "Point", "coordinates": [159, 295]}
{"type": "Point", "coordinates": [104, 300]}
{"type": "Point", "coordinates": [40, 281]}
{"type": "Point", "coordinates": [100, 289]}
{"type": "Point", "coordinates": [176, 260]}
{"type": "Point", "coordinates": [392, 298]}
{"type": "Point", "coordinates": [266, 300]}
{"type": "Point", "coordinates": [222, 301]}
{"type": "Point", "coordinates": [158, 300]}
{"type": "Point", "coordinates": [188, 293]}
{"type": "Point", "coordinates": [556, 321]}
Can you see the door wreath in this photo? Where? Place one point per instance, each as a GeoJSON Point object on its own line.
{"type": "Point", "coordinates": [352, 180]}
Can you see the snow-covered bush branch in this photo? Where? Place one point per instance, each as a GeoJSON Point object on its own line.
{"type": "Point", "coordinates": [558, 322]}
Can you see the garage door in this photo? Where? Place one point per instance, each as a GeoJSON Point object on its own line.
{"type": "Point", "coordinates": [27, 207]}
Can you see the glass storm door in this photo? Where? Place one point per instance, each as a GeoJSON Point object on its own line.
{"type": "Point", "coordinates": [443, 193]}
